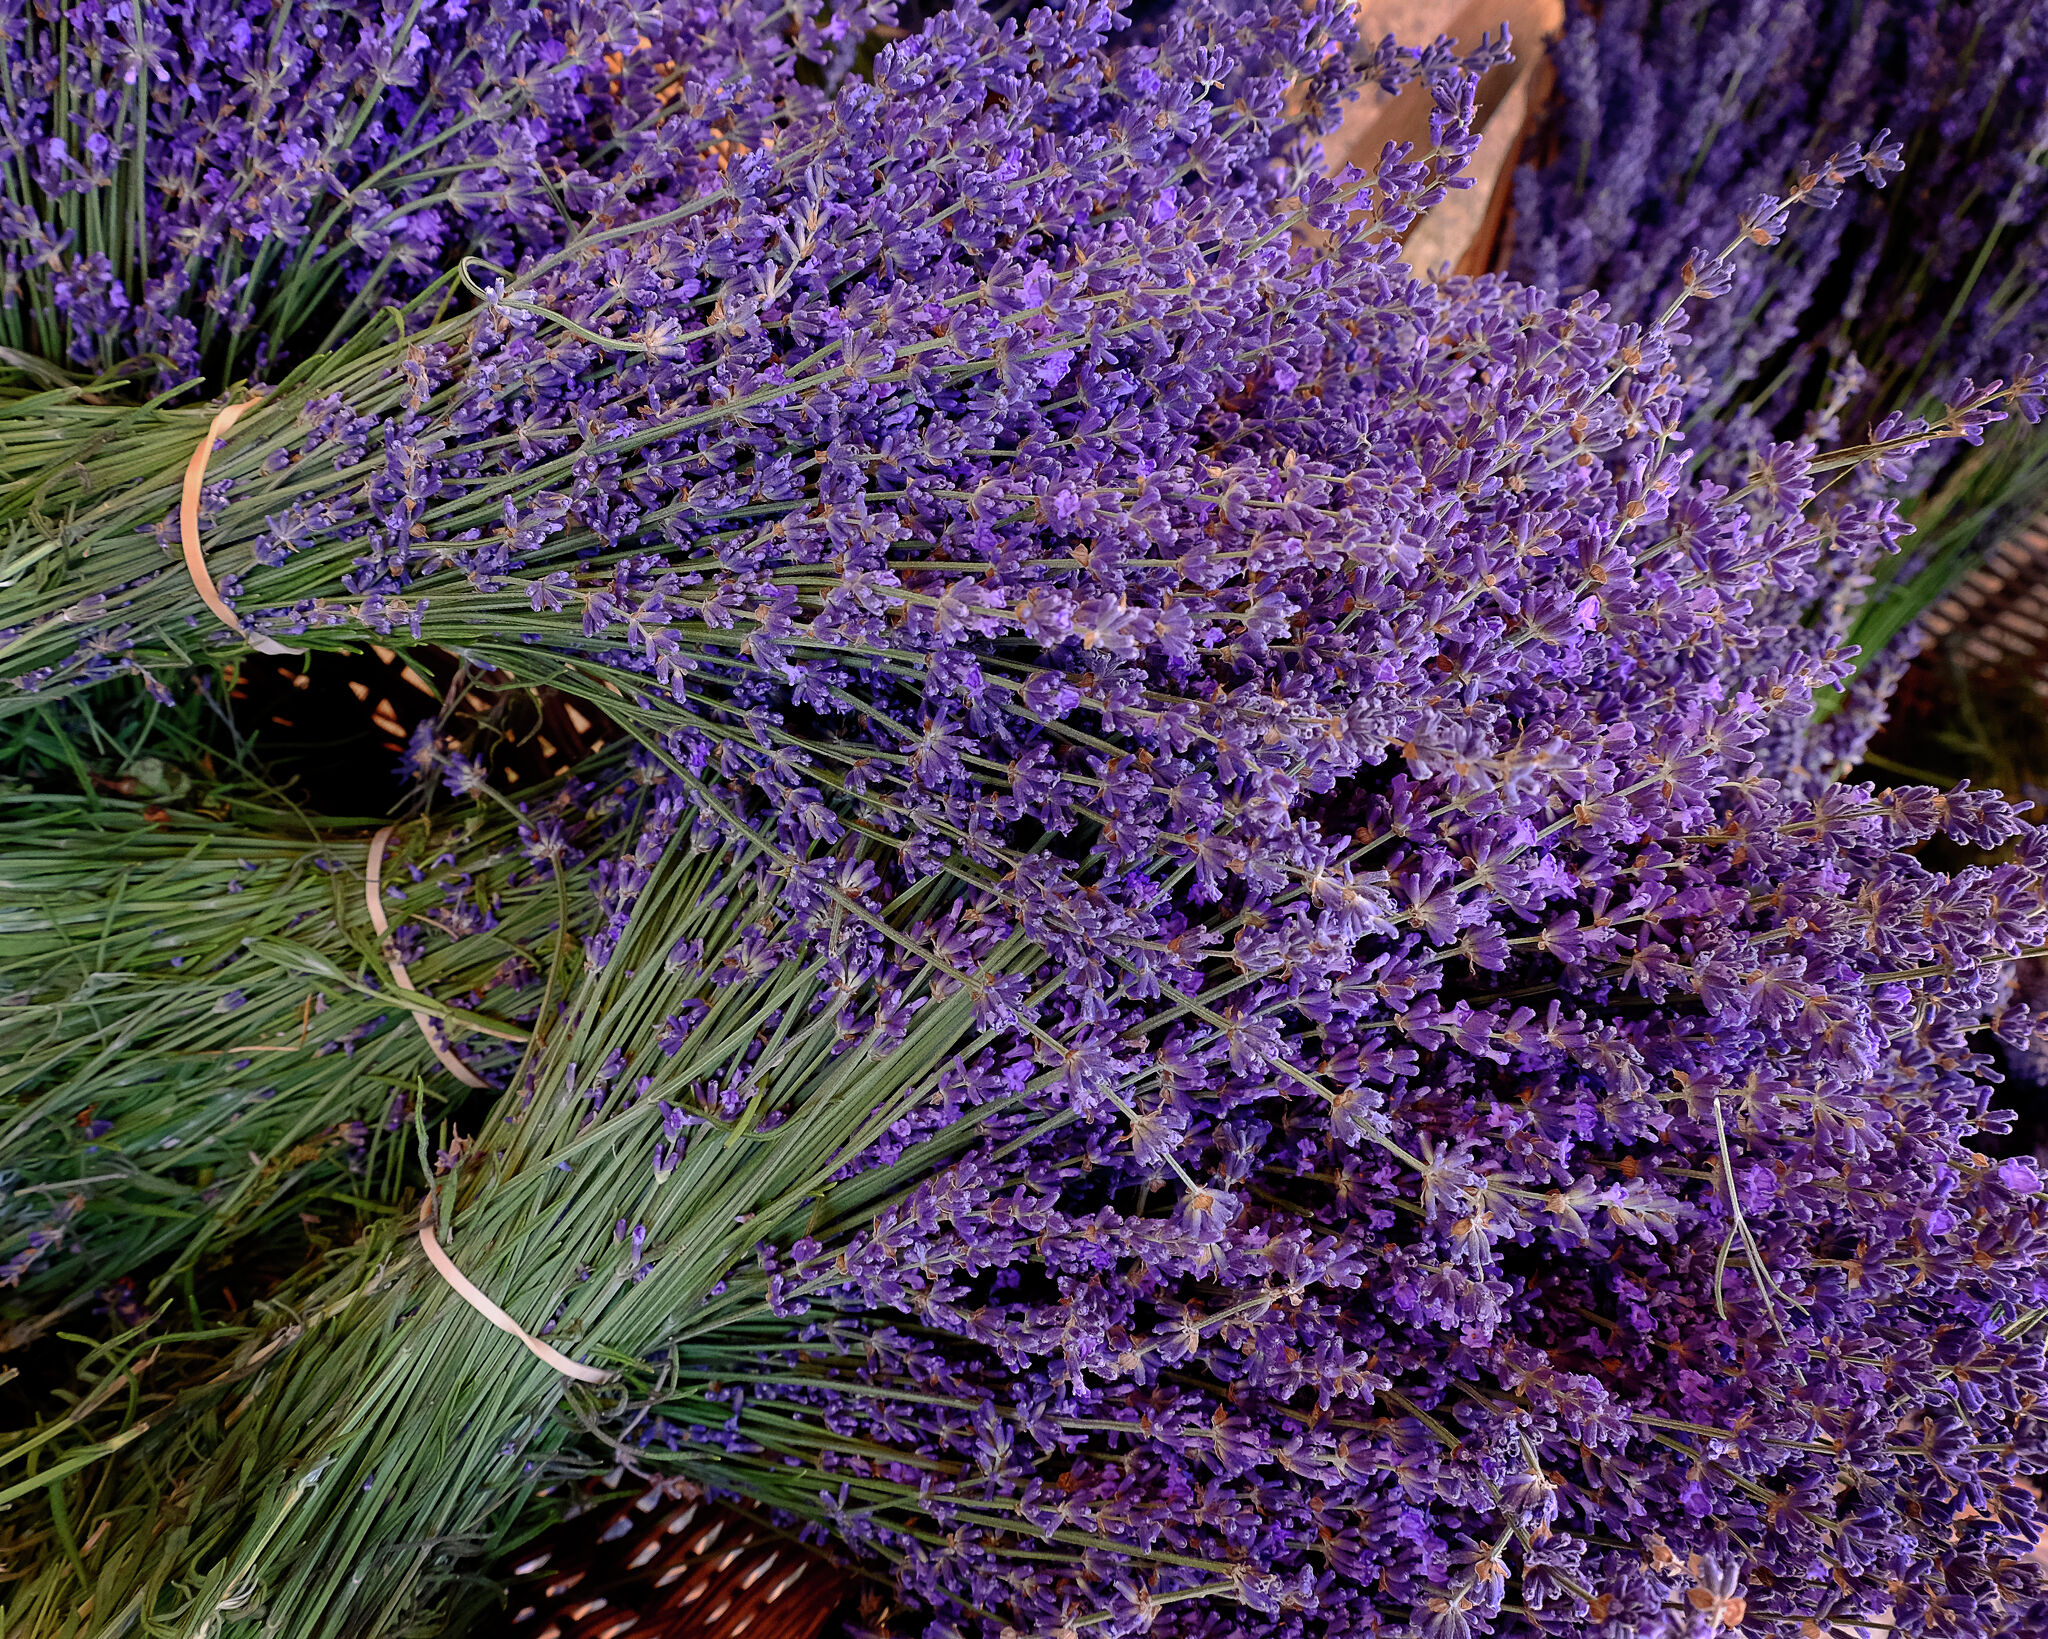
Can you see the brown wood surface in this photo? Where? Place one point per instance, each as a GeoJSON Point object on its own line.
{"type": "Point", "coordinates": [1463, 231]}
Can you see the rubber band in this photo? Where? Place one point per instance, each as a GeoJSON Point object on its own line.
{"type": "Point", "coordinates": [430, 1027]}
{"type": "Point", "coordinates": [466, 1290]}
{"type": "Point", "coordinates": [188, 532]}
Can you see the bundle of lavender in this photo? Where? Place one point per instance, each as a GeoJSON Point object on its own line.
{"type": "Point", "coordinates": [194, 191]}
{"type": "Point", "coordinates": [215, 1007]}
{"type": "Point", "coordinates": [1666, 109]}
{"type": "Point", "coordinates": [1285, 761]}
{"type": "Point", "coordinates": [1737, 1329]}
{"type": "Point", "coordinates": [750, 1052]}
{"type": "Point", "coordinates": [1035, 436]}
{"type": "Point", "coordinates": [822, 526]}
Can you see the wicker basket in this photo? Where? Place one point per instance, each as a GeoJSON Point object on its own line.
{"type": "Point", "coordinates": [336, 723]}
{"type": "Point", "coordinates": [1998, 613]}
{"type": "Point", "coordinates": [668, 1565]}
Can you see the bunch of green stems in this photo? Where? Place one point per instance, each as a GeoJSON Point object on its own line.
{"type": "Point", "coordinates": [204, 1024]}
{"type": "Point", "coordinates": [371, 1435]}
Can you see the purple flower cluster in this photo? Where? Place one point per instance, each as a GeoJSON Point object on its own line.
{"type": "Point", "coordinates": [1665, 111]}
{"type": "Point", "coordinates": [1532, 1296]}
{"type": "Point", "coordinates": [1669, 109]}
{"type": "Point", "coordinates": [207, 190]}
{"type": "Point", "coordinates": [786, 221]}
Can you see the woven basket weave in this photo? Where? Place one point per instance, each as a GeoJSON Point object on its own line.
{"type": "Point", "coordinates": [1998, 612]}
{"type": "Point", "coordinates": [668, 1565]}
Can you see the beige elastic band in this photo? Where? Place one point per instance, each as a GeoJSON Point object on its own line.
{"type": "Point", "coordinates": [188, 531]}
{"type": "Point", "coordinates": [491, 1312]}
{"type": "Point", "coordinates": [430, 1027]}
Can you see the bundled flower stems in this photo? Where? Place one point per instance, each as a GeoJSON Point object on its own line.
{"type": "Point", "coordinates": [1239, 992]}
{"type": "Point", "coordinates": [1666, 111]}
{"type": "Point", "coordinates": [714, 1102]}
{"type": "Point", "coordinates": [181, 982]}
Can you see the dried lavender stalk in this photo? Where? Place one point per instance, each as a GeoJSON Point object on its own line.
{"type": "Point", "coordinates": [196, 190]}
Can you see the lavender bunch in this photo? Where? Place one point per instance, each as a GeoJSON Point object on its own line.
{"type": "Point", "coordinates": [1035, 439]}
{"type": "Point", "coordinates": [1665, 112]}
{"type": "Point", "coordinates": [1691, 1306]}
{"type": "Point", "coordinates": [1189, 1270]}
{"type": "Point", "coordinates": [970, 571]}
{"type": "Point", "coordinates": [205, 1026]}
{"type": "Point", "coordinates": [723, 1070]}
{"type": "Point", "coordinates": [198, 191]}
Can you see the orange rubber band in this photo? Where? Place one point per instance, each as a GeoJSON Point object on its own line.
{"type": "Point", "coordinates": [466, 1290]}
{"type": "Point", "coordinates": [430, 1027]}
{"type": "Point", "coordinates": [188, 532]}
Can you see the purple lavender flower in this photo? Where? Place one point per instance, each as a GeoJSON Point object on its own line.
{"type": "Point", "coordinates": [207, 189]}
{"type": "Point", "coordinates": [1666, 111]}
{"type": "Point", "coordinates": [34, 1244]}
